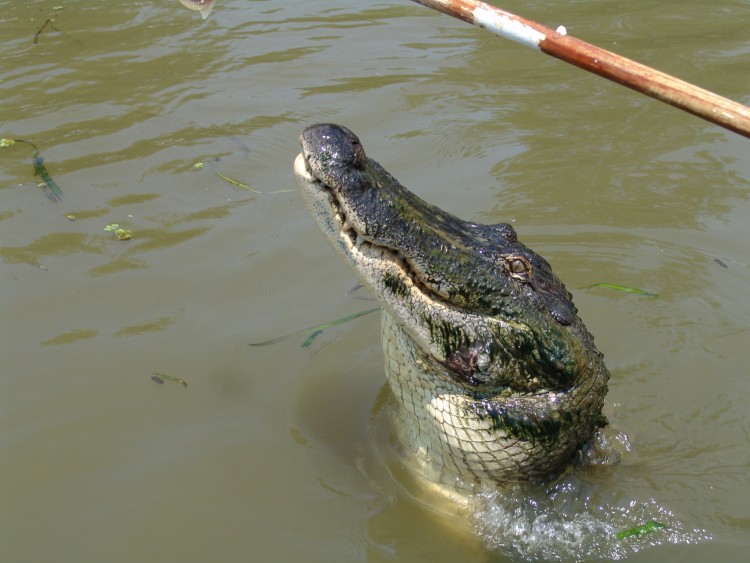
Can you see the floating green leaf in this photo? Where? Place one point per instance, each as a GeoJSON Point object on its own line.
{"type": "Point", "coordinates": [55, 193]}
{"type": "Point", "coordinates": [201, 165]}
{"type": "Point", "coordinates": [625, 289]}
{"type": "Point", "coordinates": [160, 378]}
{"type": "Point", "coordinates": [642, 530]}
{"type": "Point", "coordinates": [309, 340]}
{"type": "Point", "coordinates": [313, 331]}
{"type": "Point", "coordinates": [235, 182]}
{"type": "Point", "coordinates": [122, 234]}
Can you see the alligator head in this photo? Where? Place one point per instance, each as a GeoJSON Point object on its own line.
{"type": "Point", "coordinates": [497, 377]}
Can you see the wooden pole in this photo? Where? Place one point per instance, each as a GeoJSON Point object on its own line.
{"type": "Point", "coordinates": [688, 97]}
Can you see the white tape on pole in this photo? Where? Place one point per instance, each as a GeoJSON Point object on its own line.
{"type": "Point", "coordinates": [507, 27]}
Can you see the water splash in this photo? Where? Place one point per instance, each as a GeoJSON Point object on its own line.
{"type": "Point", "coordinates": [577, 517]}
{"type": "Point", "coordinates": [564, 523]}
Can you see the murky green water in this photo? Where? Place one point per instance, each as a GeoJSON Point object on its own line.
{"type": "Point", "coordinates": [279, 453]}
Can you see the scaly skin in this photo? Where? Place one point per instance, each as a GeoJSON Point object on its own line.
{"type": "Point", "coordinates": [497, 377]}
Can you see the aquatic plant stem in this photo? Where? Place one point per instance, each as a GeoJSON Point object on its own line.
{"type": "Point", "coordinates": [641, 78]}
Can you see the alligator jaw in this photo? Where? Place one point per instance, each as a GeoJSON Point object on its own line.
{"type": "Point", "coordinates": [330, 215]}
{"type": "Point", "coordinates": [362, 254]}
{"type": "Point", "coordinates": [322, 202]}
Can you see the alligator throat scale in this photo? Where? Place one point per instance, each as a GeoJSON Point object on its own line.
{"type": "Point", "coordinates": [496, 377]}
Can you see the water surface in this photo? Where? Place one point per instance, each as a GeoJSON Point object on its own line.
{"type": "Point", "coordinates": [280, 453]}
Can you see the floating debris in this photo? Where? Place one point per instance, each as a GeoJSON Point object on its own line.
{"type": "Point", "coordinates": [160, 378]}
{"type": "Point", "coordinates": [52, 190]}
{"type": "Point", "coordinates": [309, 340]}
{"type": "Point", "coordinates": [625, 289]}
{"type": "Point", "coordinates": [48, 22]}
{"type": "Point", "coordinates": [202, 165]}
{"type": "Point", "coordinates": [122, 234]}
{"type": "Point", "coordinates": [642, 530]}
{"type": "Point", "coordinates": [314, 331]}
{"type": "Point", "coordinates": [235, 182]}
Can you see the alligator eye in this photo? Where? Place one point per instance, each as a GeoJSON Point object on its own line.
{"type": "Point", "coordinates": [518, 267]}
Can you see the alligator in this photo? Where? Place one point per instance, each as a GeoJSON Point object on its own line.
{"type": "Point", "coordinates": [496, 378]}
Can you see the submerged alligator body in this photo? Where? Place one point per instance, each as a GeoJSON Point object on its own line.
{"type": "Point", "coordinates": [496, 376]}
